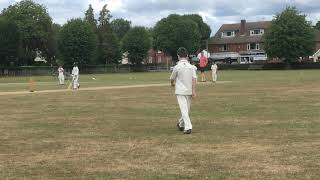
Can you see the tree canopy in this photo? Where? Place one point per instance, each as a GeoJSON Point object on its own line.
{"type": "Point", "coordinates": [290, 36]}
{"type": "Point", "coordinates": [89, 17]}
{"type": "Point", "coordinates": [120, 27]}
{"type": "Point", "coordinates": [108, 44]}
{"type": "Point", "coordinates": [137, 43]}
{"type": "Point", "coordinates": [204, 28]}
{"type": "Point", "coordinates": [176, 31]}
{"type": "Point", "coordinates": [9, 41]}
{"type": "Point", "coordinates": [77, 42]}
{"type": "Point", "coordinates": [34, 25]}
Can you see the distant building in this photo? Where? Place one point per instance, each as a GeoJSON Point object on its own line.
{"type": "Point", "coordinates": [125, 59]}
{"type": "Point", "coordinates": [158, 58]}
{"type": "Point", "coordinates": [316, 56]}
{"type": "Point", "coordinates": [243, 43]}
{"type": "Point", "coordinates": [240, 42]}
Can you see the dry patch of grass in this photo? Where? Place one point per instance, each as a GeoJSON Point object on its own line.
{"type": "Point", "coordinates": [252, 129]}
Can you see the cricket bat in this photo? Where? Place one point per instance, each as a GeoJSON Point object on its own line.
{"type": "Point", "coordinates": [70, 84]}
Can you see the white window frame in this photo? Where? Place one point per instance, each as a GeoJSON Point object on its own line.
{"type": "Point", "coordinates": [225, 34]}
{"type": "Point", "coordinates": [252, 32]}
{"type": "Point", "coordinates": [256, 48]}
{"type": "Point", "coordinates": [159, 59]}
{"type": "Point", "coordinates": [224, 48]}
{"type": "Point", "coordinates": [150, 59]}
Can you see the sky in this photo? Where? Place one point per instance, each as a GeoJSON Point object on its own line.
{"type": "Point", "coordinates": [148, 12]}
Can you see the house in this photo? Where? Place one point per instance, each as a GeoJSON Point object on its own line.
{"type": "Point", "coordinates": [242, 42]}
{"type": "Point", "coordinates": [125, 59]}
{"type": "Point", "coordinates": [158, 58]}
{"type": "Point", "coordinates": [316, 56]}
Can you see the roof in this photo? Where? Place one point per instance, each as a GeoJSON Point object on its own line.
{"type": "Point", "coordinates": [217, 39]}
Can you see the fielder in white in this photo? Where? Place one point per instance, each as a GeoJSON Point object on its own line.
{"type": "Point", "coordinates": [214, 69]}
{"type": "Point", "coordinates": [61, 75]}
{"type": "Point", "coordinates": [184, 79]}
{"type": "Point", "coordinates": [75, 76]}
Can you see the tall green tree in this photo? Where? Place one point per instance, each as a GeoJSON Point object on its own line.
{"type": "Point", "coordinates": [89, 17]}
{"type": "Point", "coordinates": [105, 16]}
{"type": "Point", "coordinates": [204, 28]}
{"type": "Point", "coordinates": [34, 24]}
{"type": "Point", "coordinates": [290, 36]}
{"type": "Point", "coordinates": [120, 27]}
{"type": "Point", "coordinates": [53, 52]}
{"type": "Point", "coordinates": [9, 41]}
{"type": "Point", "coordinates": [108, 44]}
{"type": "Point", "coordinates": [77, 42]}
{"type": "Point", "coordinates": [137, 43]}
{"type": "Point", "coordinates": [318, 25]}
{"type": "Point", "coordinates": [176, 31]}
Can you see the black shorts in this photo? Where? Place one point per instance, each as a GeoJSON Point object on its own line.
{"type": "Point", "coordinates": [202, 69]}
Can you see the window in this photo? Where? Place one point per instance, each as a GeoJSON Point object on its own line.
{"type": "Point", "coordinates": [224, 48]}
{"type": "Point", "coordinates": [228, 34]}
{"type": "Point", "coordinates": [253, 46]}
{"type": "Point", "coordinates": [150, 59]}
{"type": "Point", "coordinates": [160, 60]}
{"type": "Point", "coordinates": [256, 32]}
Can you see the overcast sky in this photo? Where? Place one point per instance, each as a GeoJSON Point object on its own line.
{"type": "Point", "coordinates": [148, 12]}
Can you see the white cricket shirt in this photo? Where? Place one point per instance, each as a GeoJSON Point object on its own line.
{"type": "Point", "coordinates": [214, 68]}
{"type": "Point", "coordinates": [60, 70]}
{"type": "Point", "coordinates": [75, 71]}
{"type": "Point", "coordinates": [183, 74]}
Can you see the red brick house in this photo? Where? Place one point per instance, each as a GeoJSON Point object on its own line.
{"type": "Point", "coordinates": [158, 58]}
{"type": "Point", "coordinates": [240, 42]}
{"type": "Point", "coordinates": [243, 43]}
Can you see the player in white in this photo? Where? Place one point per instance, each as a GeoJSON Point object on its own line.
{"type": "Point", "coordinates": [214, 69]}
{"type": "Point", "coordinates": [184, 79]}
{"type": "Point", "coordinates": [75, 76]}
{"type": "Point", "coordinates": [61, 75]}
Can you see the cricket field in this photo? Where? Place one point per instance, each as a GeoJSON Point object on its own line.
{"type": "Point", "coordinates": [251, 125]}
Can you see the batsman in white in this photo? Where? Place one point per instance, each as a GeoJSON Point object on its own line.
{"type": "Point", "coordinates": [214, 69]}
{"type": "Point", "coordinates": [75, 76]}
{"type": "Point", "coordinates": [184, 78]}
{"type": "Point", "coordinates": [61, 75]}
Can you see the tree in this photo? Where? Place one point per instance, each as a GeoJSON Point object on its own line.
{"type": "Point", "coordinates": [77, 42]}
{"type": "Point", "coordinates": [176, 31]}
{"type": "Point", "coordinates": [137, 43]}
{"type": "Point", "coordinates": [290, 36]}
{"type": "Point", "coordinates": [34, 24]}
{"type": "Point", "coordinates": [89, 17]}
{"type": "Point", "coordinates": [9, 44]}
{"type": "Point", "coordinates": [105, 16]}
{"type": "Point", "coordinates": [317, 26]}
{"type": "Point", "coordinates": [204, 28]}
{"type": "Point", "coordinates": [53, 51]}
{"type": "Point", "coordinates": [108, 44]}
{"type": "Point", "coordinates": [120, 27]}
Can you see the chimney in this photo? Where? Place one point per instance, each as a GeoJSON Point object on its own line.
{"type": "Point", "coordinates": [243, 27]}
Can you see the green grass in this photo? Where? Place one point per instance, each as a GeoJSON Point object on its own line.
{"type": "Point", "coordinates": [263, 125]}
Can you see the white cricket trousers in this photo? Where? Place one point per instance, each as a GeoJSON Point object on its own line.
{"type": "Point", "coordinates": [214, 76]}
{"type": "Point", "coordinates": [75, 82]}
{"type": "Point", "coordinates": [184, 104]}
{"type": "Point", "coordinates": [61, 79]}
